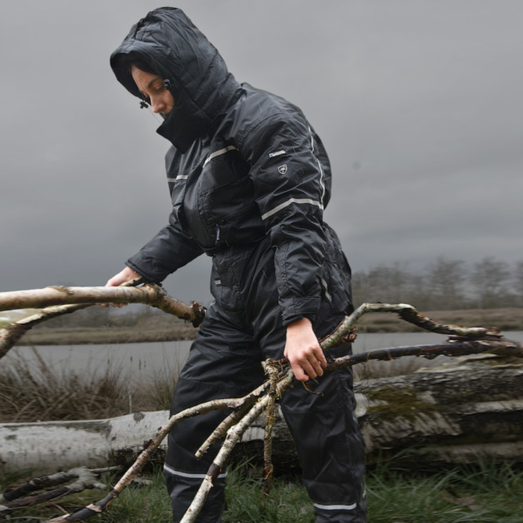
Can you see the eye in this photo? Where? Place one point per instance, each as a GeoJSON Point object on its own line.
{"type": "Point", "coordinates": [158, 87]}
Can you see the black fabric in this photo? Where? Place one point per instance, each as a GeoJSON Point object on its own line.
{"type": "Point", "coordinates": [270, 176]}
{"type": "Point", "coordinates": [225, 362]}
{"type": "Point", "coordinates": [249, 180]}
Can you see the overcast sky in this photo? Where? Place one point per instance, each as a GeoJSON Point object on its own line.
{"type": "Point", "coordinates": [419, 104]}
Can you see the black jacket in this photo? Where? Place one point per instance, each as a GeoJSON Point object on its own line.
{"type": "Point", "coordinates": [245, 167]}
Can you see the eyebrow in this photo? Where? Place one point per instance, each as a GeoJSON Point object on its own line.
{"type": "Point", "coordinates": [154, 80]}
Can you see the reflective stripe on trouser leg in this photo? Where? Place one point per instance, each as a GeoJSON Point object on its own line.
{"type": "Point", "coordinates": [182, 489]}
{"type": "Point", "coordinates": [223, 362]}
{"type": "Point", "coordinates": [330, 446]}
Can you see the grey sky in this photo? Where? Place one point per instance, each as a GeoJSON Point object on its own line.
{"type": "Point", "coordinates": [418, 103]}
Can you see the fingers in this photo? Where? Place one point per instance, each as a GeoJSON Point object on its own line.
{"type": "Point", "coordinates": [303, 350]}
{"type": "Point", "coordinates": [308, 365]}
{"type": "Point", "coordinates": [123, 276]}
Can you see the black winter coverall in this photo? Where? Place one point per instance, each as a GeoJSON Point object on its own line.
{"type": "Point", "coordinates": [249, 181]}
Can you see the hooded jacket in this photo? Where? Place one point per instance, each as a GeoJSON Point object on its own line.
{"type": "Point", "coordinates": [245, 166]}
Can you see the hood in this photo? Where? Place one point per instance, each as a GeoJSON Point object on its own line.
{"type": "Point", "coordinates": [199, 81]}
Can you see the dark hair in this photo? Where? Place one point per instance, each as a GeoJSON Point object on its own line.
{"type": "Point", "coordinates": [128, 61]}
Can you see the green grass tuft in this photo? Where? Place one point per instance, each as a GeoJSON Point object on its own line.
{"type": "Point", "coordinates": [479, 494]}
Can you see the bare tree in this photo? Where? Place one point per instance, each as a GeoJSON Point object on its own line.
{"type": "Point", "coordinates": [490, 278]}
{"type": "Point", "coordinates": [446, 279]}
{"type": "Point", "coordinates": [518, 283]}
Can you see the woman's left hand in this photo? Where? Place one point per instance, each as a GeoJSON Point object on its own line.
{"type": "Point", "coordinates": [303, 350]}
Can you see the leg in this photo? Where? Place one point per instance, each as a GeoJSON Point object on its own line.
{"type": "Point", "coordinates": [329, 445]}
{"type": "Point", "coordinates": [324, 428]}
{"type": "Point", "coordinates": [224, 362]}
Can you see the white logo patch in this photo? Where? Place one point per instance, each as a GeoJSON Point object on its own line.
{"type": "Point", "coordinates": [282, 169]}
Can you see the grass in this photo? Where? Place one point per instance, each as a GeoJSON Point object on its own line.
{"type": "Point", "coordinates": [40, 392]}
{"type": "Point", "coordinates": [37, 391]}
{"type": "Point", "coordinates": [483, 494]}
{"type": "Point", "coordinates": [480, 494]}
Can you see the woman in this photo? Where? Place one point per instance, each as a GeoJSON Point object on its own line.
{"type": "Point", "coordinates": [249, 180]}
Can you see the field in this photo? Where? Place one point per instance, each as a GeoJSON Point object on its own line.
{"type": "Point", "coordinates": [164, 328]}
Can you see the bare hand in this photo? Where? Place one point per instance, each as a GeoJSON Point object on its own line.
{"type": "Point", "coordinates": [126, 275]}
{"type": "Point", "coordinates": [303, 351]}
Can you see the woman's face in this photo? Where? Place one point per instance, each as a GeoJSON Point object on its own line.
{"type": "Point", "coordinates": [152, 88]}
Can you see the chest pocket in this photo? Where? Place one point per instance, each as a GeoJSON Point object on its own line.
{"type": "Point", "coordinates": [225, 189]}
{"type": "Point", "coordinates": [178, 196]}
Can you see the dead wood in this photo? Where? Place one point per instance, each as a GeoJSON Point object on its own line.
{"type": "Point", "coordinates": [463, 341]}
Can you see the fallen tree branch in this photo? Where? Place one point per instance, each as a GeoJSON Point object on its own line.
{"type": "Point", "coordinates": [66, 300]}
{"type": "Point", "coordinates": [25, 495]}
{"type": "Point", "coordinates": [245, 410]}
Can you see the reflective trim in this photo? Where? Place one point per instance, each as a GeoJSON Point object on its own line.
{"type": "Point", "coordinates": [312, 140]}
{"type": "Point", "coordinates": [179, 177]}
{"type": "Point", "coordinates": [219, 153]}
{"type": "Point", "coordinates": [326, 290]}
{"type": "Point", "coordinates": [289, 202]}
{"type": "Point", "coordinates": [187, 475]}
{"type": "Point", "coordinates": [319, 166]}
{"type": "Point", "coordinates": [335, 507]}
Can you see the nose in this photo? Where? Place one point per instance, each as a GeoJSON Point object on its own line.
{"type": "Point", "coordinates": [157, 104]}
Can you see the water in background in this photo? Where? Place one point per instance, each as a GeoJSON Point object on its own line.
{"type": "Point", "coordinates": [145, 359]}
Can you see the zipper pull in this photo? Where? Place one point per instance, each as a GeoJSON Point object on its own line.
{"type": "Point", "coordinates": [217, 235]}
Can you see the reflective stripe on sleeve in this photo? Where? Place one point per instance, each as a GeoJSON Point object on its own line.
{"type": "Point", "coordinates": [179, 177]}
{"type": "Point", "coordinates": [289, 202]}
{"type": "Point", "coordinates": [187, 475]}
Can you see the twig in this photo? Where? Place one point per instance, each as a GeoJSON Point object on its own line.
{"type": "Point", "coordinates": [221, 431]}
{"type": "Point", "coordinates": [103, 504]}
{"type": "Point", "coordinates": [268, 467]}
{"type": "Point", "coordinates": [23, 496]}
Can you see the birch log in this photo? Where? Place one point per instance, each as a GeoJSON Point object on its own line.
{"type": "Point", "coordinates": [458, 413]}
{"type": "Point", "coordinates": [55, 445]}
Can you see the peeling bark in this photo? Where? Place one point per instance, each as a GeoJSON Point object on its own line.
{"type": "Point", "coordinates": [66, 300]}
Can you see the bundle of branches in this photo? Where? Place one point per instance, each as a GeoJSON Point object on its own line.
{"type": "Point", "coordinates": [245, 410]}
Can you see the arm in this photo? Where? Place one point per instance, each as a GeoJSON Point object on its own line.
{"type": "Point", "coordinates": [169, 250]}
{"type": "Point", "coordinates": [291, 188]}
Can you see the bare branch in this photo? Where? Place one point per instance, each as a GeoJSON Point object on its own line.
{"type": "Point", "coordinates": [66, 300]}
{"type": "Point", "coordinates": [463, 341]}
{"type": "Point", "coordinates": [23, 496]}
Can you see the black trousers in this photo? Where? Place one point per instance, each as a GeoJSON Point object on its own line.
{"type": "Point", "coordinates": [239, 332]}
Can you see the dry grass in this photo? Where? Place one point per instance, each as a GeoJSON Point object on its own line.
{"type": "Point", "coordinates": [36, 391]}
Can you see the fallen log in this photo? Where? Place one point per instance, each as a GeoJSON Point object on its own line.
{"type": "Point", "coordinates": [55, 445]}
{"type": "Point", "coordinates": [462, 341]}
{"type": "Point", "coordinates": [461, 412]}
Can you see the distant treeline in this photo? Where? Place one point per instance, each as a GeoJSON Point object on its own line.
{"type": "Point", "coordinates": [444, 284]}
